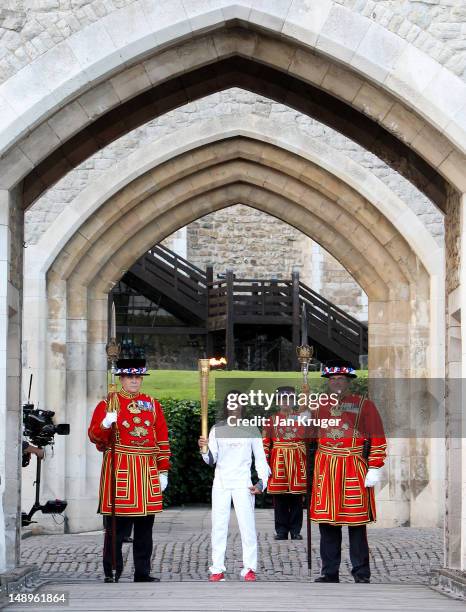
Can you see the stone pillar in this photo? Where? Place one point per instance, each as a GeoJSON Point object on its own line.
{"type": "Point", "coordinates": [33, 350]}
{"type": "Point", "coordinates": [386, 338]}
{"type": "Point", "coordinates": [54, 367]}
{"type": "Point", "coordinates": [455, 243]}
{"type": "Point", "coordinates": [97, 335]}
{"type": "Point", "coordinates": [11, 233]}
{"type": "Point", "coordinates": [180, 242]}
{"type": "Point", "coordinates": [76, 404]}
{"type": "Point", "coordinates": [460, 440]}
{"type": "Point", "coordinates": [34, 333]}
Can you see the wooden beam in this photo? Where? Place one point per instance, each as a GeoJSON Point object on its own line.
{"type": "Point", "coordinates": [230, 323]}
{"type": "Point", "coordinates": [160, 330]}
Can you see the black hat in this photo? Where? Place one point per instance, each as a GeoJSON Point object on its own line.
{"type": "Point", "coordinates": [285, 390]}
{"type": "Point", "coordinates": [340, 367]}
{"type": "Point", "coordinates": [128, 367]}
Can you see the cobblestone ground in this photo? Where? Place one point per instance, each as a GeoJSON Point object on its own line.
{"type": "Point", "coordinates": [182, 551]}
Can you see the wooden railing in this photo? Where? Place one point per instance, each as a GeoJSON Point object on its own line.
{"type": "Point", "coordinates": [222, 303]}
{"type": "Point", "coordinates": [280, 302]}
{"type": "Point", "coordinates": [175, 277]}
{"type": "Point", "coordinates": [328, 321]}
{"type": "Point", "coordinates": [251, 300]}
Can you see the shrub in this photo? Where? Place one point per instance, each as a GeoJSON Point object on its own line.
{"type": "Point", "coordinates": [190, 479]}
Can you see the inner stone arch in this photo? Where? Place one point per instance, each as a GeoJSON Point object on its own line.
{"type": "Point", "coordinates": [183, 188]}
{"type": "Point", "coordinates": [230, 108]}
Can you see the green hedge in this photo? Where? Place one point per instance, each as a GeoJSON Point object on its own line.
{"type": "Point", "coordinates": [190, 479]}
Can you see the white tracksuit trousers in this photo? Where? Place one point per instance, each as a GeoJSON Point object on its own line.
{"type": "Point", "coordinates": [243, 502]}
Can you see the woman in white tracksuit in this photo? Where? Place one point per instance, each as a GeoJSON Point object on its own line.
{"type": "Point", "coordinates": [230, 448]}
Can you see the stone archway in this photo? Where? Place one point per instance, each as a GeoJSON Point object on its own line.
{"type": "Point", "coordinates": [174, 187]}
{"type": "Point", "coordinates": [85, 60]}
{"type": "Point", "coordinates": [423, 132]}
{"type": "Point", "coordinates": [39, 257]}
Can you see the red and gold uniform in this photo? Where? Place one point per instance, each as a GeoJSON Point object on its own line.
{"type": "Point", "coordinates": [339, 495]}
{"type": "Point", "coordinates": [141, 453]}
{"type": "Point", "coordinates": [285, 451]}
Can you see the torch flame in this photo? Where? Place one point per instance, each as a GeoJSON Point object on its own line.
{"type": "Point", "coordinates": [215, 363]}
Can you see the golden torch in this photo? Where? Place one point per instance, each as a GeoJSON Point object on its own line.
{"type": "Point", "coordinates": [204, 371]}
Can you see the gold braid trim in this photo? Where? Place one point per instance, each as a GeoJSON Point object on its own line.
{"type": "Point", "coordinates": [113, 404]}
{"type": "Point", "coordinates": [127, 394]}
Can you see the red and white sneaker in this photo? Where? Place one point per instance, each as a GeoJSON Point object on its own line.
{"type": "Point", "coordinates": [250, 576]}
{"type": "Point", "coordinates": [217, 577]}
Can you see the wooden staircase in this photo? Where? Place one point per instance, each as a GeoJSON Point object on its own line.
{"type": "Point", "coordinates": [331, 331]}
{"type": "Point", "coordinates": [208, 306]}
{"type": "Point", "coordinates": [180, 287]}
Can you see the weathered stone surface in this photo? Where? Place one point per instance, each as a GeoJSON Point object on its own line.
{"type": "Point", "coordinates": [256, 245]}
{"type": "Point", "coordinates": [345, 293]}
{"type": "Point", "coordinates": [29, 27]}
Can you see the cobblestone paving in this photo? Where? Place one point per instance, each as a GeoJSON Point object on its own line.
{"type": "Point", "coordinates": [182, 551]}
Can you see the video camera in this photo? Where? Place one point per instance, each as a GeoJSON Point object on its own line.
{"type": "Point", "coordinates": [40, 429]}
{"type": "Point", "coordinates": [39, 426]}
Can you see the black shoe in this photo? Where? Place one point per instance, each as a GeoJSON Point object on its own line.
{"type": "Point", "coordinates": [296, 536]}
{"type": "Point", "coordinates": [362, 579]}
{"type": "Point", "coordinates": [146, 579]}
{"type": "Point", "coordinates": [127, 540]}
{"type": "Point", "coordinates": [117, 577]}
{"type": "Point", "coordinates": [277, 536]}
{"type": "Point", "coordinates": [108, 579]}
{"type": "Point", "coordinates": [327, 579]}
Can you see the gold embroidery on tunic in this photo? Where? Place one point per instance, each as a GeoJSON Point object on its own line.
{"type": "Point", "coordinates": [134, 408]}
{"type": "Point", "coordinates": [138, 432]}
{"type": "Point", "coordinates": [335, 434]}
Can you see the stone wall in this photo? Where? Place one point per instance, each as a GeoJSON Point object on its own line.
{"type": "Point", "coordinates": [11, 254]}
{"type": "Point", "coordinates": [436, 27]}
{"type": "Point", "coordinates": [256, 245]}
{"type": "Point", "coordinates": [252, 243]}
{"type": "Point", "coordinates": [28, 28]}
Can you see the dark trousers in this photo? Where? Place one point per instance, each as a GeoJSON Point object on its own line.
{"type": "Point", "coordinates": [142, 543]}
{"type": "Point", "coordinates": [126, 530]}
{"type": "Point", "coordinates": [330, 550]}
{"type": "Point", "coordinates": [288, 509]}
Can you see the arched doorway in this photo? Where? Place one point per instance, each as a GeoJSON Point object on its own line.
{"type": "Point", "coordinates": [445, 155]}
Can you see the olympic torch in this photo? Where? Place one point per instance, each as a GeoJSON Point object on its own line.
{"type": "Point", "coordinates": [204, 371]}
